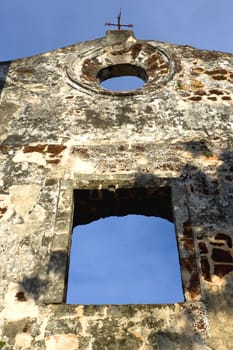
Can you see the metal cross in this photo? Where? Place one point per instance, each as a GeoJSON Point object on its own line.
{"type": "Point", "coordinates": [119, 25]}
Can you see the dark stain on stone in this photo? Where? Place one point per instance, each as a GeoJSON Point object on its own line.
{"type": "Point", "coordinates": [121, 148]}
{"type": "Point", "coordinates": [7, 109]}
{"type": "Point", "coordinates": [226, 98]}
{"type": "Point", "coordinates": [202, 247]}
{"type": "Point", "coordinates": [81, 151]}
{"type": "Point", "coordinates": [187, 229]}
{"type": "Point", "coordinates": [205, 55]}
{"type": "Point", "coordinates": [188, 263]}
{"type": "Point", "coordinates": [205, 268]}
{"type": "Point", "coordinates": [94, 118]}
{"type": "Point", "coordinates": [104, 338]}
{"type": "Point", "coordinates": [217, 244]}
{"type": "Point", "coordinates": [212, 98]}
{"type": "Point", "coordinates": [57, 262]}
{"type": "Point", "coordinates": [224, 237]}
{"type": "Point", "coordinates": [216, 92]}
{"type": "Point", "coordinates": [194, 285]}
{"type": "Point", "coordinates": [123, 119]}
{"type": "Point", "coordinates": [119, 52]}
{"type": "Point", "coordinates": [185, 94]}
{"type": "Point", "coordinates": [176, 60]}
{"type": "Point", "coordinates": [153, 63]}
{"type": "Point", "coordinates": [152, 323]}
{"type": "Point", "coordinates": [36, 148]}
{"type": "Point", "coordinates": [188, 244]}
{"type": "Point", "coordinates": [125, 109]}
{"type": "Point", "coordinates": [43, 148]}
{"type": "Point", "coordinates": [25, 70]}
{"type": "Point", "coordinates": [11, 329]}
{"type": "Point", "coordinates": [3, 211]}
{"type": "Point", "coordinates": [203, 186]}
{"type": "Point", "coordinates": [217, 71]}
{"type": "Point", "coordinates": [50, 182]}
{"type": "Point", "coordinates": [34, 286]}
{"type": "Point", "coordinates": [195, 98]}
{"type": "Point", "coordinates": [55, 149]}
{"type": "Point", "coordinates": [222, 270]}
{"type": "Point", "coordinates": [26, 328]}
{"type": "Point", "coordinates": [148, 109]}
{"type": "Point", "coordinates": [53, 161]}
{"type": "Point", "coordinates": [220, 255]}
{"type": "Point", "coordinates": [20, 296]}
{"type": "Point", "coordinates": [200, 93]}
{"type": "Point", "coordinates": [201, 325]}
{"type": "Point", "coordinates": [135, 50]}
{"type": "Point", "coordinates": [140, 148]}
{"type": "Point", "coordinates": [90, 69]}
{"type": "Point", "coordinates": [197, 71]}
{"type": "Point", "coordinates": [218, 77]}
{"type": "Point", "coordinates": [68, 325]}
{"type": "Point", "coordinates": [4, 149]}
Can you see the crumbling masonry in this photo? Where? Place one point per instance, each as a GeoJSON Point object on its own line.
{"type": "Point", "coordinates": [62, 132]}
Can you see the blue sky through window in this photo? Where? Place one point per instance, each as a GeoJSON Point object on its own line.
{"type": "Point", "coordinates": [124, 260]}
{"type": "Point", "coordinates": [123, 83]}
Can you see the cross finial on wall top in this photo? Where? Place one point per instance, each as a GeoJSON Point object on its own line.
{"type": "Point", "coordinates": [119, 25]}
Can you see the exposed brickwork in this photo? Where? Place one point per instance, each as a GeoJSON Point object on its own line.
{"type": "Point", "coordinates": [222, 270]}
{"type": "Point", "coordinates": [220, 255]}
{"type": "Point", "coordinates": [95, 204]}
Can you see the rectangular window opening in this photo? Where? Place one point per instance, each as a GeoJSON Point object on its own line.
{"type": "Point", "coordinates": [124, 248]}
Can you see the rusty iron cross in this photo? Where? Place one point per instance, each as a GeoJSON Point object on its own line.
{"type": "Point", "coordinates": [119, 25]}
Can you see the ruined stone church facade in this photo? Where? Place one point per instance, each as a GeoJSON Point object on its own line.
{"type": "Point", "coordinates": [72, 151]}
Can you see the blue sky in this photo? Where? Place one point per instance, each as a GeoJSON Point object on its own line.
{"type": "Point", "coordinates": [31, 27]}
{"type": "Point", "coordinates": [125, 260]}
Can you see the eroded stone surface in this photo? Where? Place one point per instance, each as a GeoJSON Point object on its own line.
{"type": "Point", "coordinates": [61, 131]}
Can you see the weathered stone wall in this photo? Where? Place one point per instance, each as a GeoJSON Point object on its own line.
{"type": "Point", "coordinates": [61, 131]}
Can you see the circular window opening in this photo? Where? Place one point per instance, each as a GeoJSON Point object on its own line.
{"type": "Point", "coordinates": [122, 77]}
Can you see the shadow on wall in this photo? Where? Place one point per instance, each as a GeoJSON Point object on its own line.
{"type": "Point", "coordinates": [35, 286]}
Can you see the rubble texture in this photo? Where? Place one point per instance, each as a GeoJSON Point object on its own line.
{"type": "Point", "coordinates": [60, 132]}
